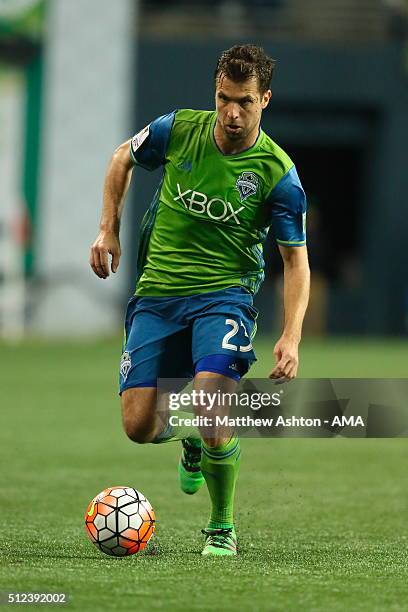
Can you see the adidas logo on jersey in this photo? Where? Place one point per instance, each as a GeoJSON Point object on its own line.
{"type": "Point", "coordinates": [215, 208]}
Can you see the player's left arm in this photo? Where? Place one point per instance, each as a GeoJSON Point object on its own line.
{"type": "Point", "coordinates": [295, 296]}
{"type": "Point", "coordinates": [287, 202]}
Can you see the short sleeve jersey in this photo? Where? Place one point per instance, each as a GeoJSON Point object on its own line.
{"type": "Point", "coordinates": [211, 213]}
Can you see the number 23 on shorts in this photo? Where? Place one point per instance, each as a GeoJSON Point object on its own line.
{"type": "Point", "coordinates": [235, 328]}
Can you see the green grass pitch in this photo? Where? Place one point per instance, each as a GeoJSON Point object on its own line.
{"type": "Point", "coordinates": [322, 524]}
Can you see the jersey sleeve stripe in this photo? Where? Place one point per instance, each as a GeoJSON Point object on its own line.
{"type": "Point", "coordinates": [291, 242]}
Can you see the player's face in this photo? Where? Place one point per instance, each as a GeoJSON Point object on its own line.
{"type": "Point", "coordinates": [239, 108]}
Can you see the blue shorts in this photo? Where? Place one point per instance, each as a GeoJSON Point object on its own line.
{"type": "Point", "coordinates": [174, 337]}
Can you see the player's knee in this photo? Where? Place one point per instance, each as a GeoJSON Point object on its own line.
{"type": "Point", "coordinates": [136, 431]}
{"type": "Point", "coordinates": [138, 423]}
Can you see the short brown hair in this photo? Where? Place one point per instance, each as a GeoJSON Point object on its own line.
{"type": "Point", "coordinates": [243, 62]}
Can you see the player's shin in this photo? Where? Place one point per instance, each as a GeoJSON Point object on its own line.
{"type": "Point", "coordinates": [220, 467]}
{"type": "Point", "coordinates": [172, 429]}
{"type": "Point", "coordinates": [173, 425]}
{"type": "Point", "coordinates": [178, 425]}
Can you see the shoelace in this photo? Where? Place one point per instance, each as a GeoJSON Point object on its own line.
{"type": "Point", "coordinates": [218, 536]}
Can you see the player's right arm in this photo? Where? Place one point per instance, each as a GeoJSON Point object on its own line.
{"type": "Point", "coordinates": [116, 184]}
{"type": "Point", "coordinates": [146, 149]}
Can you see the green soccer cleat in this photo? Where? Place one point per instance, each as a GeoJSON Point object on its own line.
{"type": "Point", "coordinates": [220, 542]}
{"type": "Point", "coordinates": [189, 468]}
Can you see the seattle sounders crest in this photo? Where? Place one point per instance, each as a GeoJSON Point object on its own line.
{"type": "Point", "coordinates": [125, 365]}
{"type": "Point", "coordinates": [247, 184]}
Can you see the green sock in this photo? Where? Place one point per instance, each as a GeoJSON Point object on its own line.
{"type": "Point", "coordinates": [220, 466]}
{"type": "Point", "coordinates": [174, 432]}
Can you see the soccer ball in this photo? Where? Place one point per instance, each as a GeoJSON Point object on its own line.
{"type": "Point", "coordinates": [119, 521]}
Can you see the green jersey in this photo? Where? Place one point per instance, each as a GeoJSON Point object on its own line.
{"type": "Point", "coordinates": [211, 213]}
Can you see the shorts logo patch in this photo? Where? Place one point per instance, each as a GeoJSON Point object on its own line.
{"type": "Point", "coordinates": [247, 185]}
{"type": "Point", "coordinates": [139, 138]}
{"type": "Point", "coordinates": [125, 365]}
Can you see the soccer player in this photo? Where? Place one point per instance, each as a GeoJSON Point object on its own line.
{"type": "Point", "coordinates": [224, 183]}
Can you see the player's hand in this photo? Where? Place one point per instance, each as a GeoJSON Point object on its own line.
{"type": "Point", "coordinates": [107, 243]}
{"type": "Point", "coordinates": [287, 358]}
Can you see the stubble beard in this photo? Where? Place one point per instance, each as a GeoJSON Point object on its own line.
{"type": "Point", "coordinates": [236, 137]}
